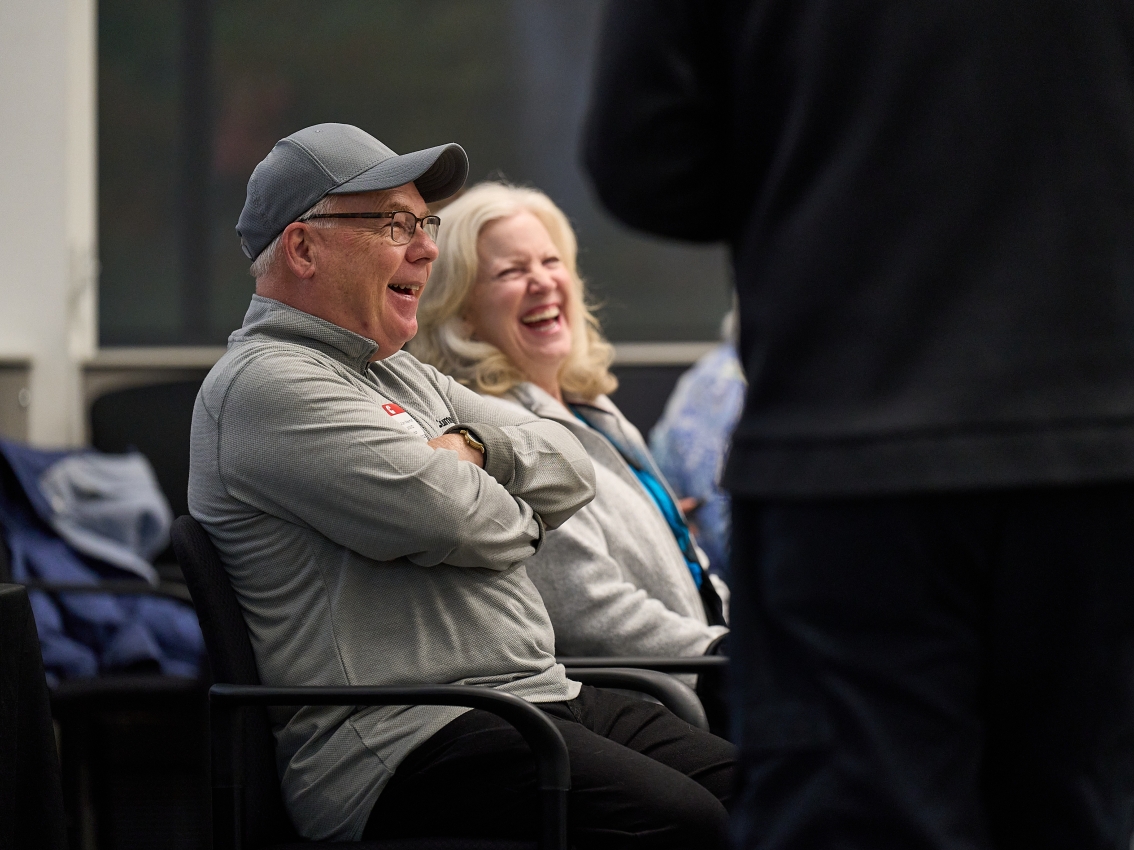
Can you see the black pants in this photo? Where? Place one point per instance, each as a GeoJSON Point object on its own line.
{"type": "Point", "coordinates": [950, 671]}
{"type": "Point", "coordinates": [640, 778]}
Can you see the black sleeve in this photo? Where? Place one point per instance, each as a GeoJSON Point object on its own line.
{"type": "Point", "coordinates": [655, 141]}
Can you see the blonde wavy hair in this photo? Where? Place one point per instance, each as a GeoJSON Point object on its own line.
{"type": "Point", "coordinates": [443, 337]}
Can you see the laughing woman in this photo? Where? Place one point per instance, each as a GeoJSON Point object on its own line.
{"type": "Point", "coordinates": [505, 314]}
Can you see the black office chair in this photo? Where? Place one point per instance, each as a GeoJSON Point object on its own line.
{"type": "Point", "coordinates": [105, 761]}
{"type": "Point", "coordinates": [155, 420]}
{"type": "Point", "coordinates": [665, 664]}
{"type": "Point", "coordinates": [248, 809]}
{"type": "Point", "coordinates": [709, 669]}
{"type": "Point", "coordinates": [31, 800]}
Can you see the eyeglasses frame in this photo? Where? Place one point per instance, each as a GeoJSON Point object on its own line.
{"type": "Point", "coordinates": [417, 220]}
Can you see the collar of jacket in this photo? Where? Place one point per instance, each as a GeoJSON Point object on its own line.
{"type": "Point", "coordinates": [271, 318]}
{"type": "Point", "coordinates": [599, 413]}
{"type": "Point", "coordinates": [541, 403]}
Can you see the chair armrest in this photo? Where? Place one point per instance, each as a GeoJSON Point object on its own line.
{"type": "Point", "coordinates": [674, 695]}
{"type": "Point", "coordinates": [553, 766]}
{"type": "Point", "coordinates": [690, 664]}
{"type": "Point", "coordinates": [541, 734]}
{"type": "Point", "coordinates": [122, 587]}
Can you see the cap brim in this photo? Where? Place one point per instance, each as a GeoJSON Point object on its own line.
{"type": "Point", "coordinates": [437, 172]}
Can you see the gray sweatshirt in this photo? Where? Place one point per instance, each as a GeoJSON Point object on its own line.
{"type": "Point", "coordinates": [361, 556]}
{"type": "Point", "coordinates": [612, 576]}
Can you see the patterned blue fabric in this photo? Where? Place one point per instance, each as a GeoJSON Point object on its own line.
{"type": "Point", "coordinates": [691, 440]}
{"type": "Point", "coordinates": [84, 634]}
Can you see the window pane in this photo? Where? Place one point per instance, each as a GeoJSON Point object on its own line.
{"type": "Point", "coordinates": [137, 162]}
{"type": "Point", "coordinates": [507, 79]}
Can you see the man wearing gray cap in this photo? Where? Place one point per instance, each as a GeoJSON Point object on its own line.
{"type": "Point", "coordinates": [374, 516]}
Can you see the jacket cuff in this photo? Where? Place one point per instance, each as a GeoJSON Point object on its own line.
{"type": "Point", "coordinates": [499, 459]}
{"type": "Point", "coordinates": [542, 531]}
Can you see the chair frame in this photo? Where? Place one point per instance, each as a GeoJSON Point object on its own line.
{"type": "Point", "coordinates": [553, 767]}
{"type": "Point", "coordinates": [662, 664]}
{"type": "Point", "coordinates": [117, 587]}
{"type": "Point", "coordinates": [675, 695]}
{"type": "Point", "coordinates": [229, 701]}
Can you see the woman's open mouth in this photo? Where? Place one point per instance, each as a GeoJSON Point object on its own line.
{"type": "Point", "coordinates": [542, 319]}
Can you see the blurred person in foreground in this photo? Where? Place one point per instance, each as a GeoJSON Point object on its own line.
{"type": "Point", "coordinates": [690, 441]}
{"type": "Point", "coordinates": [506, 315]}
{"type": "Point", "coordinates": [374, 517]}
{"type": "Point", "coordinates": [931, 213]}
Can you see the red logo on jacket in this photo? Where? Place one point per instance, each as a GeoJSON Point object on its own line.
{"type": "Point", "coordinates": [392, 409]}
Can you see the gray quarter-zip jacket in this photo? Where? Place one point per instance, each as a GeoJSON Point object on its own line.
{"type": "Point", "coordinates": [612, 576]}
{"type": "Point", "coordinates": [360, 555]}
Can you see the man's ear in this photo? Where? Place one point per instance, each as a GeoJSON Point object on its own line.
{"type": "Point", "coordinates": [299, 251]}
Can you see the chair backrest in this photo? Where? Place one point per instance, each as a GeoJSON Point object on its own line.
{"type": "Point", "coordinates": [154, 419]}
{"type": "Point", "coordinates": [232, 660]}
{"type": "Point", "coordinates": [31, 796]}
{"type": "Point", "coordinates": [5, 562]}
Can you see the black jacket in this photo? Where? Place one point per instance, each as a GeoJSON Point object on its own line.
{"type": "Point", "coordinates": [931, 211]}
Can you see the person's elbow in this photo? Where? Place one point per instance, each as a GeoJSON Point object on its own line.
{"type": "Point", "coordinates": [577, 486]}
{"type": "Point", "coordinates": [553, 472]}
{"type": "Point", "coordinates": [559, 477]}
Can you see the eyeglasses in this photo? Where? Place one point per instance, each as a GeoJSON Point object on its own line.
{"type": "Point", "coordinates": [403, 224]}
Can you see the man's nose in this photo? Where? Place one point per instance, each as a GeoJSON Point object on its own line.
{"type": "Point", "coordinates": [421, 247]}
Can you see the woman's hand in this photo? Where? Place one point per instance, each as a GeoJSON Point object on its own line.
{"type": "Point", "coordinates": [689, 505]}
{"type": "Point", "coordinates": [456, 443]}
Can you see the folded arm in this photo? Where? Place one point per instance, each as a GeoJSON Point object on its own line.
{"type": "Point", "coordinates": [534, 459]}
{"type": "Point", "coordinates": [319, 452]}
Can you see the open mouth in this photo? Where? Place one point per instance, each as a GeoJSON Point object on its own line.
{"type": "Point", "coordinates": [544, 319]}
{"type": "Point", "coordinates": [408, 289]}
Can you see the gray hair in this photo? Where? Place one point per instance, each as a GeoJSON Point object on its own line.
{"type": "Point", "coordinates": [265, 262]}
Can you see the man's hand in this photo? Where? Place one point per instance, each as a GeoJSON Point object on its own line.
{"type": "Point", "coordinates": [456, 443]}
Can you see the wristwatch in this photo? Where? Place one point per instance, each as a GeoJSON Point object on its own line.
{"type": "Point", "coordinates": [472, 441]}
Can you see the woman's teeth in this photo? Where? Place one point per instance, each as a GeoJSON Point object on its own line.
{"type": "Point", "coordinates": [406, 288]}
{"type": "Point", "coordinates": [546, 314]}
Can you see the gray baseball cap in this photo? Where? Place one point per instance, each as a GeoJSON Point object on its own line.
{"type": "Point", "coordinates": [336, 159]}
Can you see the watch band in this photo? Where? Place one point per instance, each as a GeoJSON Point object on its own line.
{"type": "Point", "coordinates": [472, 441]}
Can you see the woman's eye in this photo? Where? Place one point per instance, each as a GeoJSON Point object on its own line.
{"type": "Point", "coordinates": [510, 272]}
{"type": "Point", "coordinates": [551, 262]}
